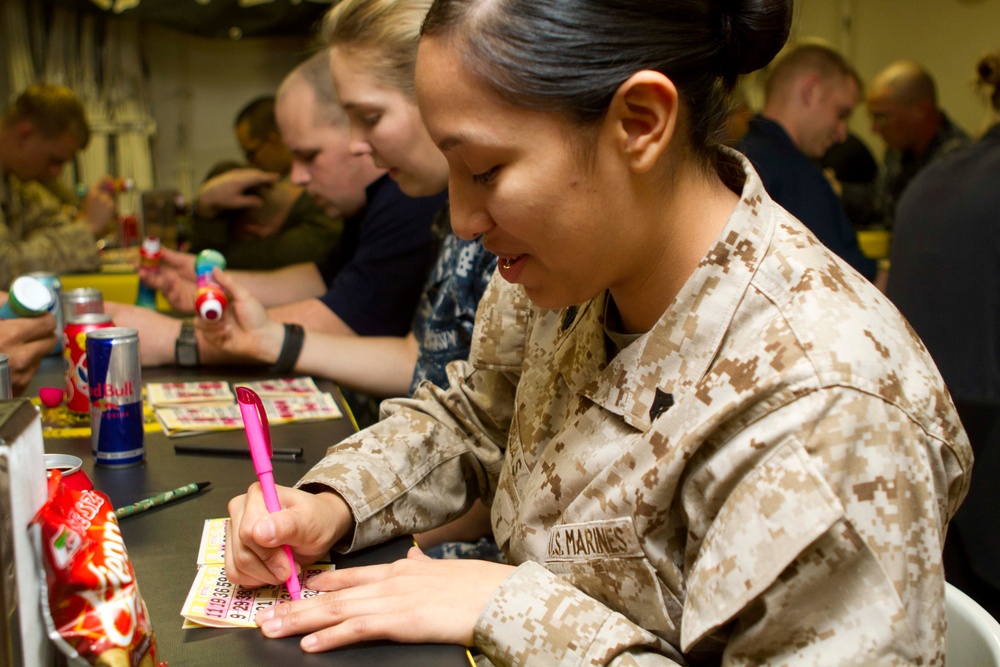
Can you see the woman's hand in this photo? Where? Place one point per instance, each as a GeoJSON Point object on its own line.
{"type": "Point", "coordinates": [310, 523]}
{"type": "Point", "coordinates": [415, 600]}
{"type": "Point", "coordinates": [246, 329]}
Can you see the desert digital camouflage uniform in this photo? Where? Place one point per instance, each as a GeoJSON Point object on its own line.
{"type": "Point", "coordinates": [764, 478]}
{"type": "Point", "coordinates": [37, 233]}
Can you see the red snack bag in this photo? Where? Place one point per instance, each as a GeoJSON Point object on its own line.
{"type": "Point", "coordinates": [93, 597]}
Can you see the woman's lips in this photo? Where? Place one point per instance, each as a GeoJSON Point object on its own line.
{"type": "Point", "coordinates": [510, 266]}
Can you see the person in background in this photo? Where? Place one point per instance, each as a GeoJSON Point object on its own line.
{"type": "Point", "coordinates": [853, 172]}
{"type": "Point", "coordinates": [368, 287]}
{"type": "Point", "coordinates": [704, 438]}
{"type": "Point", "coordinates": [903, 105]}
{"type": "Point", "coordinates": [257, 221]}
{"type": "Point", "coordinates": [39, 133]}
{"type": "Point", "coordinates": [25, 341]}
{"type": "Point", "coordinates": [260, 139]}
{"type": "Point", "coordinates": [945, 279]}
{"type": "Point", "coordinates": [810, 93]}
{"type": "Point", "coordinates": [374, 47]}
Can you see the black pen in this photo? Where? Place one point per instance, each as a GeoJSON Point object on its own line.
{"type": "Point", "coordinates": [182, 448]}
{"type": "Point", "coordinates": [163, 498]}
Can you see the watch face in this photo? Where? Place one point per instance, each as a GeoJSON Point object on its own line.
{"type": "Point", "coordinates": [186, 353]}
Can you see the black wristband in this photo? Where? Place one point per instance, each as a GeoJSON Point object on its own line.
{"type": "Point", "coordinates": [291, 347]}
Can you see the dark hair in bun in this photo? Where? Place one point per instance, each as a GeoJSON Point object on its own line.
{"type": "Point", "coordinates": [570, 56]}
{"type": "Point", "coordinates": [988, 73]}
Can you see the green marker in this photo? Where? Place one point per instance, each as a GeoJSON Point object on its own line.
{"type": "Point", "coordinates": [161, 499]}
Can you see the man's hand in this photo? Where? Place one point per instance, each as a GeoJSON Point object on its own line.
{"type": "Point", "coordinates": [97, 210]}
{"type": "Point", "coordinates": [25, 341]}
{"type": "Point", "coordinates": [175, 278]}
{"type": "Point", "coordinates": [229, 191]}
{"type": "Point", "coordinates": [245, 329]}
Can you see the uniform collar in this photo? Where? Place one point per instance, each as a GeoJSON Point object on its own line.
{"type": "Point", "coordinates": [659, 368]}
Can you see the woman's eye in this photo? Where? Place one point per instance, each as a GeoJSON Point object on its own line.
{"type": "Point", "coordinates": [485, 177]}
{"type": "Point", "coordinates": [371, 120]}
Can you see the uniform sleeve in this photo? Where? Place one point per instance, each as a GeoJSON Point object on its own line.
{"type": "Point", "coordinates": [433, 454]}
{"type": "Point", "coordinates": [39, 235]}
{"type": "Point", "coordinates": [536, 618]}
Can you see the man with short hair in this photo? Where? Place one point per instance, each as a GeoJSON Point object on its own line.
{"type": "Point", "coordinates": [260, 138]}
{"type": "Point", "coordinates": [39, 133]}
{"type": "Point", "coordinates": [368, 287]}
{"type": "Point", "coordinates": [903, 106]}
{"type": "Point", "coordinates": [810, 93]}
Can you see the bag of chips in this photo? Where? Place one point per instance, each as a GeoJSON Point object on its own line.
{"type": "Point", "coordinates": [96, 615]}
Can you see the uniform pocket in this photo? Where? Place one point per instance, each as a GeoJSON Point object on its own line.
{"type": "Point", "coordinates": [605, 560]}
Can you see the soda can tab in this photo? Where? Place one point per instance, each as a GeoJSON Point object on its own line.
{"type": "Point", "coordinates": [75, 357]}
{"type": "Point", "coordinates": [28, 297]}
{"type": "Point", "coordinates": [80, 301]}
{"type": "Point", "coordinates": [115, 383]}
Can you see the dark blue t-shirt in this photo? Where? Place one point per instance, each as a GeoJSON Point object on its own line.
{"type": "Point", "coordinates": [446, 314]}
{"type": "Point", "coordinates": [375, 278]}
{"type": "Point", "coordinates": [800, 187]}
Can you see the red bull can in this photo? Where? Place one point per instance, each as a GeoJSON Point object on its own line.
{"type": "Point", "coordinates": [117, 436]}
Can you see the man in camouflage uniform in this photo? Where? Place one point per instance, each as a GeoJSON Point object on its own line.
{"type": "Point", "coordinates": [41, 132]}
{"type": "Point", "coordinates": [765, 477]}
{"type": "Point", "coordinates": [903, 106]}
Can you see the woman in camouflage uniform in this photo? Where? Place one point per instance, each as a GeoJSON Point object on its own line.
{"type": "Point", "coordinates": [705, 438]}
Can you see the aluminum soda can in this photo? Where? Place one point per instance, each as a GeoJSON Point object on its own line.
{"type": "Point", "coordinates": [81, 301]}
{"type": "Point", "coordinates": [5, 390]}
{"type": "Point", "coordinates": [71, 467]}
{"type": "Point", "coordinates": [51, 280]}
{"type": "Point", "coordinates": [115, 383]}
{"type": "Point", "coordinates": [75, 356]}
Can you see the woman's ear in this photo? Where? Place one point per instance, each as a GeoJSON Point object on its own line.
{"type": "Point", "coordinates": [643, 116]}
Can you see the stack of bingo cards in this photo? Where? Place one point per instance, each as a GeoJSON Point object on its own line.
{"type": "Point", "coordinates": [210, 300]}
{"type": "Point", "coordinates": [150, 254]}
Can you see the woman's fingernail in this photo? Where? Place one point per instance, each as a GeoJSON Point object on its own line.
{"type": "Point", "coordinates": [272, 625]}
{"type": "Point", "coordinates": [309, 641]}
{"type": "Point", "coordinates": [264, 615]}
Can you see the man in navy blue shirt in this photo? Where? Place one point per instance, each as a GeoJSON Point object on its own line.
{"type": "Point", "coordinates": [810, 93]}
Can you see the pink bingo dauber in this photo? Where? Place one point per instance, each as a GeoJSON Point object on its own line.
{"type": "Point", "coordinates": [259, 439]}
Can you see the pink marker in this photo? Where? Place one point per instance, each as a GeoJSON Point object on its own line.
{"type": "Point", "coordinates": [259, 439]}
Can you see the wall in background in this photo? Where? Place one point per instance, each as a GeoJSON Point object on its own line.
{"type": "Point", "coordinates": [197, 86]}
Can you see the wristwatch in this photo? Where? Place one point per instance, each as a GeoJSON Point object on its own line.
{"type": "Point", "coordinates": [186, 347]}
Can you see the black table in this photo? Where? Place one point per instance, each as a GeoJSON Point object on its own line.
{"type": "Point", "coordinates": [163, 542]}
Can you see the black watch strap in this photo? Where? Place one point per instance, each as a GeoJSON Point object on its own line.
{"type": "Point", "coordinates": [186, 347]}
{"type": "Point", "coordinates": [291, 348]}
